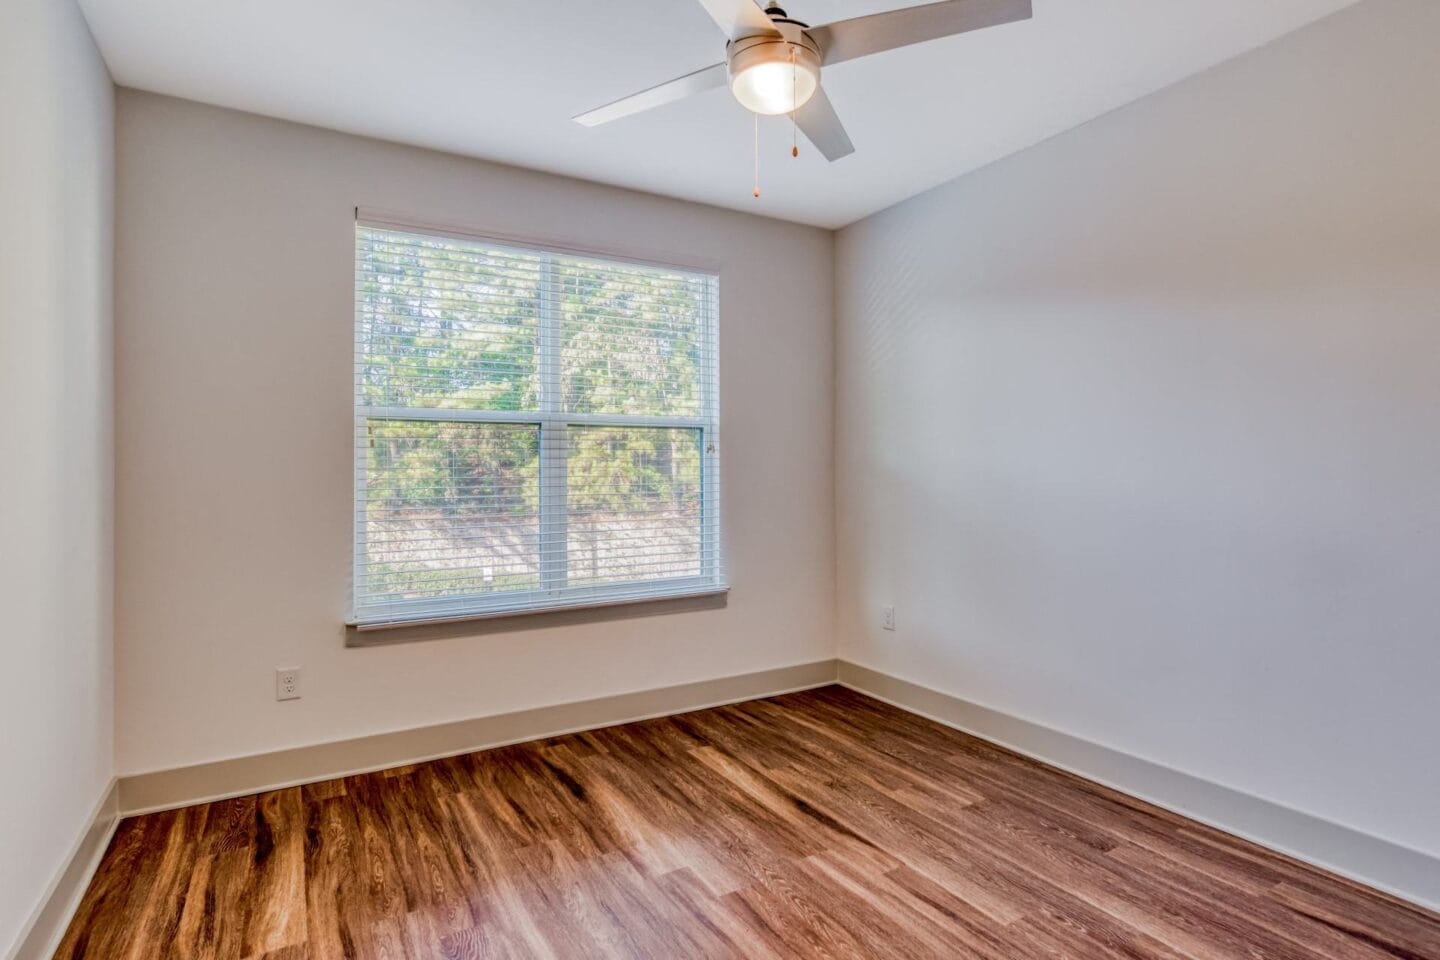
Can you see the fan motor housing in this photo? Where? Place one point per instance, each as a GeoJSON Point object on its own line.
{"type": "Point", "coordinates": [792, 33]}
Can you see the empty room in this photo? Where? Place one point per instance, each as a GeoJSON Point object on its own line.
{"type": "Point", "coordinates": [708, 479]}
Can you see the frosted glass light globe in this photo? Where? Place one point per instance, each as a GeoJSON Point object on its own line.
{"type": "Point", "coordinates": [774, 78]}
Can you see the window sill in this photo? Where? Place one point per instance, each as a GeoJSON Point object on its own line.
{"type": "Point", "coordinates": [361, 625]}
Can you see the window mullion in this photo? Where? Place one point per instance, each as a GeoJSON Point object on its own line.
{"type": "Point", "coordinates": [709, 441]}
{"type": "Point", "coordinates": [554, 442]}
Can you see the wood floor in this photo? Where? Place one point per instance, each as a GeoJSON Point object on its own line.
{"type": "Point", "coordinates": [819, 824]}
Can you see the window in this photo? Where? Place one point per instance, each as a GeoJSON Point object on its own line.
{"type": "Point", "coordinates": [534, 429]}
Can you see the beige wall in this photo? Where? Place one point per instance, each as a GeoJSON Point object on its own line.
{"type": "Point", "coordinates": [1140, 429]}
{"type": "Point", "coordinates": [234, 430]}
{"type": "Point", "coordinates": [56, 182]}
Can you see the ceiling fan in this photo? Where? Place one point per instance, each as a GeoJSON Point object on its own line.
{"type": "Point", "coordinates": [772, 63]}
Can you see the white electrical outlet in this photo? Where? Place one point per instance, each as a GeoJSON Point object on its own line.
{"type": "Point", "coordinates": [287, 683]}
{"type": "Point", "coordinates": [887, 617]}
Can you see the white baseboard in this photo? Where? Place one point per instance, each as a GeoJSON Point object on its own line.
{"type": "Point", "coordinates": [42, 932]}
{"type": "Point", "coordinates": [1403, 872]}
{"type": "Point", "coordinates": [242, 776]}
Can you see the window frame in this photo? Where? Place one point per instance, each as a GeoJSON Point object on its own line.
{"type": "Point", "coordinates": [552, 424]}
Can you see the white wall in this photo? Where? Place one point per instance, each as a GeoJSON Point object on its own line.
{"type": "Point", "coordinates": [56, 190]}
{"type": "Point", "coordinates": [1140, 429]}
{"type": "Point", "coordinates": [234, 349]}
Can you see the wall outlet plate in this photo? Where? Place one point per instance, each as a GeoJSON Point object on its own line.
{"type": "Point", "coordinates": [887, 617]}
{"type": "Point", "coordinates": [287, 683]}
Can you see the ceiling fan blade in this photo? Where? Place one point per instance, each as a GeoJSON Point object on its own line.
{"type": "Point", "coordinates": [738, 18]}
{"type": "Point", "coordinates": [677, 89]}
{"type": "Point", "coordinates": [821, 125]}
{"type": "Point", "coordinates": [848, 39]}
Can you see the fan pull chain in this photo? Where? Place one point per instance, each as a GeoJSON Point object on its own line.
{"type": "Point", "coordinates": [794, 96]}
{"type": "Point", "coordinates": [756, 191]}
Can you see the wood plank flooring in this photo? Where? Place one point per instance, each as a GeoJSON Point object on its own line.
{"type": "Point", "coordinates": [818, 824]}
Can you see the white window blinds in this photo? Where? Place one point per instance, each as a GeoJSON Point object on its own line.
{"type": "Point", "coordinates": [533, 429]}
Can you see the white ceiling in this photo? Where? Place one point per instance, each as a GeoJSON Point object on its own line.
{"type": "Point", "coordinates": [500, 79]}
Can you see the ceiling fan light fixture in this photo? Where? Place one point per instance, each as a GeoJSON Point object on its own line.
{"type": "Point", "coordinates": [772, 62]}
{"type": "Point", "coordinates": [773, 77]}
